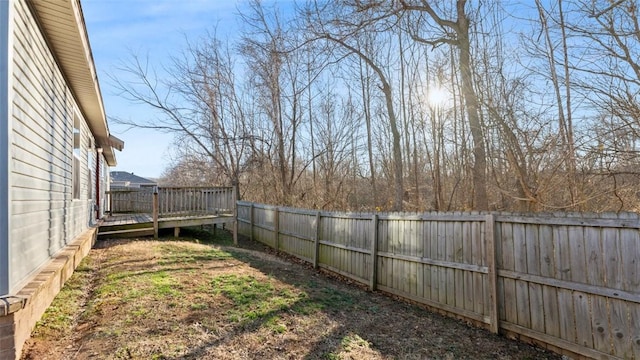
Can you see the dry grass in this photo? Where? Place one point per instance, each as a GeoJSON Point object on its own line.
{"type": "Point", "coordinates": [186, 300]}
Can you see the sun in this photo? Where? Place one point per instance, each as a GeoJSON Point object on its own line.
{"type": "Point", "coordinates": [437, 96]}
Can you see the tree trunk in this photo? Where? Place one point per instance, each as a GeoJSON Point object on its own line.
{"type": "Point", "coordinates": [471, 101]}
{"type": "Point", "coordinates": [364, 81]}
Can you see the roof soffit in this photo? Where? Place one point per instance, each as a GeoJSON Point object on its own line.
{"type": "Point", "coordinates": [63, 24]}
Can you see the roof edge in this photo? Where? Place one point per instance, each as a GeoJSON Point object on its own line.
{"type": "Point", "coordinates": [79, 77]}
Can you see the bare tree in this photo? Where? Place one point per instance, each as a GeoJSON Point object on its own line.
{"type": "Point", "coordinates": [563, 98]}
{"type": "Point", "coordinates": [611, 34]}
{"type": "Point", "coordinates": [365, 85]}
{"type": "Point", "coordinates": [328, 107]}
{"type": "Point", "coordinates": [189, 169]}
{"type": "Point", "coordinates": [344, 25]}
{"type": "Point", "coordinates": [275, 75]}
{"type": "Point", "coordinates": [197, 101]}
{"type": "Point", "coordinates": [454, 31]}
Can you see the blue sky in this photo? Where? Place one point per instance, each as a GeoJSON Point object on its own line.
{"type": "Point", "coordinates": [157, 28]}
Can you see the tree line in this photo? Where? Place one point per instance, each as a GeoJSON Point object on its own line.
{"type": "Point", "coordinates": [408, 105]}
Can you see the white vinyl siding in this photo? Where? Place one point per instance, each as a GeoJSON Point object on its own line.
{"type": "Point", "coordinates": [44, 215]}
{"type": "Point", "coordinates": [5, 42]}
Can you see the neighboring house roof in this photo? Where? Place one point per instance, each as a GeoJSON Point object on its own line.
{"type": "Point", "coordinates": [67, 42]}
{"type": "Point", "coordinates": [127, 177]}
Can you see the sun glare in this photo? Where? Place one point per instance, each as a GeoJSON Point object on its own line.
{"type": "Point", "coordinates": [437, 96]}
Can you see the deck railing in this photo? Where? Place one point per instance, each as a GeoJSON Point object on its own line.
{"type": "Point", "coordinates": [195, 200]}
{"type": "Point", "coordinates": [173, 201]}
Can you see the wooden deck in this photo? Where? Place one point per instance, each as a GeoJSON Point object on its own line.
{"type": "Point", "coordinates": [135, 225]}
{"type": "Point", "coordinates": [134, 211]}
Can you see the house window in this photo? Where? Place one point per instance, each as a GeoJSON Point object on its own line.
{"type": "Point", "coordinates": [90, 170]}
{"type": "Point", "coordinates": [76, 157]}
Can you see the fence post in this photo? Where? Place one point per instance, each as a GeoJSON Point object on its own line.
{"type": "Point", "coordinates": [235, 197]}
{"type": "Point", "coordinates": [374, 252]}
{"type": "Point", "coordinates": [251, 222]}
{"type": "Point", "coordinates": [155, 214]}
{"type": "Point", "coordinates": [490, 244]}
{"type": "Point", "coordinates": [276, 228]}
{"type": "Point", "coordinates": [316, 241]}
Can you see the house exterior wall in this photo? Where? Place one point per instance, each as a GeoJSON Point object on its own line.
{"type": "Point", "coordinates": [4, 146]}
{"type": "Point", "coordinates": [44, 215]}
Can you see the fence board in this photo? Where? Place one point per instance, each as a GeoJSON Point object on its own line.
{"type": "Point", "coordinates": [435, 276]}
{"type": "Point", "coordinates": [583, 319]}
{"type": "Point", "coordinates": [393, 265]}
{"type": "Point", "coordinates": [532, 244]}
{"type": "Point", "coordinates": [406, 246]}
{"type": "Point", "coordinates": [499, 248]}
{"type": "Point", "coordinates": [520, 259]}
{"type": "Point", "coordinates": [630, 241]}
{"type": "Point", "coordinates": [478, 256]}
{"type": "Point", "coordinates": [551, 310]}
{"type": "Point", "coordinates": [449, 278]}
{"type": "Point", "coordinates": [419, 252]}
{"type": "Point", "coordinates": [612, 252]}
{"type": "Point", "coordinates": [400, 274]}
{"type": "Point", "coordinates": [548, 270]}
{"type": "Point", "coordinates": [508, 263]}
{"type": "Point", "coordinates": [619, 329]}
{"type": "Point", "coordinates": [600, 324]}
{"type": "Point", "coordinates": [467, 258]}
{"type": "Point", "coordinates": [458, 258]}
{"type": "Point", "coordinates": [578, 272]}
{"type": "Point", "coordinates": [416, 251]}
{"type": "Point", "coordinates": [567, 315]}
{"type": "Point", "coordinates": [491, 292]}
{"type": "Point", "coordinates": [634, 318]}
{"type": "Point", "coordinates": [383, 245]}
{"type": "Point", "coordinates": [442, 273]}
{"type": "Point", "coordinates": [630, 259]}
{"type": "Point", "coordinates": [373, 277]}
{"type": "Point", "coordinates": [594, 256]}
{"type": "Point", "coordinates": [425, 239]}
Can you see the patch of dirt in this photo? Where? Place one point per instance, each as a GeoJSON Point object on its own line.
{"type": "Point", "coordinates": [182, 300]}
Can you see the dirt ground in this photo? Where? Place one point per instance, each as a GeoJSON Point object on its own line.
{"type": "Point", "coordinates": [142, 299]}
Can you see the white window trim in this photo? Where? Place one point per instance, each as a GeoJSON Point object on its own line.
{"type": "Point", "coordinates": [76, 166]}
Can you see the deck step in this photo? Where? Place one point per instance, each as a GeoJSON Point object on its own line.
{"type": "Point", "coordinates": [128, 232]}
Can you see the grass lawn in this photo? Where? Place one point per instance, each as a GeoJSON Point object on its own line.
{"type": "Point", "coordinates": [201, 298]}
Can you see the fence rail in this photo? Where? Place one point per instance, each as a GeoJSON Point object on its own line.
{"type": "Point", "coordinates": [569, 281]}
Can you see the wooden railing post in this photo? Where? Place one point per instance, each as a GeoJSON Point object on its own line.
{"type": "Point", "coordinates": [276, 227]}
{"type": "Point", "coordinates": [316, 240]}
{"type": "Point", "coordinates": [160, 190]}
{"type": "Point", "coordinates": [374, 252]}
{"type": "Point", "coordinates": [155, 214]}
{"type": "Point", "coordinates": [490, 244]}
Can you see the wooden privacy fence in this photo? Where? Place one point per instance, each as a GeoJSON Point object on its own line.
{"type": "Point", "coordinates": [130, 200]}
{"type": "Point", "coordinates": [173, 201]}
{"type": "Point", "coordinates": [570, 282]}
